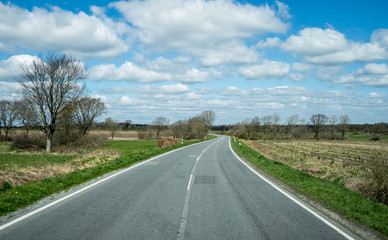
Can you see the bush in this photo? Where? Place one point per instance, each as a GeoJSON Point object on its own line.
{"type": "Point", "coordinates": [29, 142]}
{"type": "Point", "coordinates": [376, 138]}
{"type": "Point", "coordinates": [166, 142]}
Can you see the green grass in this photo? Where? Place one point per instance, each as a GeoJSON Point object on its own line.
{"type": "Point", "coordinates": [352, 205]}
{"type": "Point", "coordinates": [9, 160]}
{"type": "Point", "coordinates": [132, 152]}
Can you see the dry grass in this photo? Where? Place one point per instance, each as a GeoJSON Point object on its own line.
{"type": "Point", "coordinates": [350, 163]}
{"type": "Point", "coordinates": [18, 175]}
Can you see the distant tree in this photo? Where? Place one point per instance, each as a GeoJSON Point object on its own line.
{"type": "Point", "coordinates": [318, 121]}
{"type": "Point", "coordinates": [275, 121]}
{"type": "Point", "coordinates": [51, 83]}
{"type": "Point", "coordinates": [28, 114]}
{"type": "Point", "coordinates": [85, 111]}
{"type": "Point", "coordinates": [332, 121]}
{"type": "Point", "coordinates": [344, 123]}
{"type": "Point", "coordinates": [208, 118]}
{"type": "Point", "coordinates": [292, 121]}
{"type": "Point", "coordinates": [111, 125]}
{"type": "Point", "coordinates": [198, 128]}
{"type": "Point", "coordinates": [160, 123]}
{"type": "Point", "coordinates": [8, 115]}
{"type": "Point", "coordinates": [127, 125]}
{"type": "Point", "coordinates": [255, 126]}
{"type": "Point", "coordinates": [267, 123]}
{"type": "Point", "coordinates": [180, 129]}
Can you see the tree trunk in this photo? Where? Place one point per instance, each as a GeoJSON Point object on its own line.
{"type": "Point", "coordinates": [49, 142]}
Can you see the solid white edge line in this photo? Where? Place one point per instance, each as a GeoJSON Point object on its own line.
{"type": "Point", "coordinates": [2, 227]}
{"type": "Point", "coordinates": [291, 197]}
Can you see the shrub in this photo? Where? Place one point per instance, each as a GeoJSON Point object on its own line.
{"type": "Point", "coordinates": [166, 142]}
{"type": "Point", "coordinates": [28, 142]}
{"type": "Point", "coordinates": [376, 138]}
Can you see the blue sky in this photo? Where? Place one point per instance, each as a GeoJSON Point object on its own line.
{"type": "Point", "coordinates": [240, 59]}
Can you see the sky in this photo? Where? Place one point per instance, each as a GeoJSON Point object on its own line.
{"type": "Point", "coordinates": [240, 59]}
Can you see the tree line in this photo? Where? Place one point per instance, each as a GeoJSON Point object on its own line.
{"type": "Point", "coordinates": [318, 126]}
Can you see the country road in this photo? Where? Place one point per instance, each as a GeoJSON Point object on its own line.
{"type": "Point", "coordinates": [199, 192]}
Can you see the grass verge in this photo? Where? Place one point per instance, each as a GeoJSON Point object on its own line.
{"type": "Point", "coordinates": [335, 197]}
{"type": "Point", "coordinates": [132, 152]}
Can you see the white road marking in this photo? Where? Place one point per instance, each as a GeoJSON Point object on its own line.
{"type": "Point", "coordinates": [292, 198]}
{"type": "Point", "coordinates": [189, 184]}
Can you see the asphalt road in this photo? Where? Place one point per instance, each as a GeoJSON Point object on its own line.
{"type": "Point", "coordinates": [199, 192]}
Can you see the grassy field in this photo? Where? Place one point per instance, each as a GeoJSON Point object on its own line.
{"type": "Point", "coordinates": [34, 176]}
{"type": "Point", "coordinates": [333, 195]}
{"type": "Point", "coordinates": [355, 164]}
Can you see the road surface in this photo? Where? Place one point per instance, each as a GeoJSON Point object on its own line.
{"type": "Point", "coordinates": [199, 192]}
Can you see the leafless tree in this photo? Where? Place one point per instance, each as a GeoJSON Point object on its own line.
{"type": "Point", "coordinates": [267, 123]}
{"type": "Point", "coordinates": [275, 121]}
{"type": "Point", "coordinates": [332, 121]}
{"type": "Point", "coordinates": [208, 118]}
{"type": "Point", "coordinates": [318, 121]}
{"type": "Point", "coordinates": [8, 115]}
{"type": "Point", "coordinates": [28, 115]}
{"type": "Point", "coordinates": [112, 125]}
{"type": "Point", "coordinates": [51, 82]}
{"type": "Point", "coordinates": [85, 111]}
{"type": "Point", "coordinates": [344, 122]}
{"type": "Point", "coordinates": [160, 124]}
{"type": "Point", "coordinates": [292, 121]}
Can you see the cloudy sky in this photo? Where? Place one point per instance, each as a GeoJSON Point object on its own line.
{"type": "Point", "coordinates": [177, 58]}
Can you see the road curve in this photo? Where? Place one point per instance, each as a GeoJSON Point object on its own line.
{"type": "Point", "coordinates": [199, 192]}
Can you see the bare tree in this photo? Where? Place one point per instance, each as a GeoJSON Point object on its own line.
{"type": "Point", "coordinates": [275, 121]}
{"type": "Point", "coordinates": [332, 121]}
{"type": "Point", "coordinates": [292, 121]}
{"type": "Point", "coordinates": [8, 114]}
{"type": "Point", "coordinates": [318, 121]}
{"type": "Point", "coordinates": [344, 122]}
{"type": "Point", "coordinates": [267, 123]}
{"type": "Point", "coordinates": [28, 115]}
{"type": "Point", "coordinates": [208, 118]}
{"type": "Point", "coordinates": [160, 124]}
{"type": "Point", "coordinates": [51, 83]}
{"type": "Point", "coordinates": [85, 111]}
{"type": "Point", "coordinates": [112, 125]}
{"type": "Point", "coordinates": [255, 126]}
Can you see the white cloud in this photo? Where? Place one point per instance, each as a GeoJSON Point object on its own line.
{"type": "Point", "coordinates": [286, 90]}
{"type": "Point", "coordinates": [268, 69]}
{"type": "Point", "coordinates": [128, 71]}
{"type": "Point", "coordinates": [301, 67]}
{"type": "Point", "coordinates": [12, 67]}
{"type": "Point", "coordinates": [328, 46]}
{"type": "Point", "coordinates": [375, 95]}
{"type": "Point", "coordinates": [233, 52]}
{"type": "Point", "coordinates": [374, 68]}
{"type": "Point", "coordinates": [315, 42]}
{"type": "Point", "coordinates": [193, 76]}
{"type": "Point", "coordinates": [180, 24]}
{"type": "Point", "coordinates": [9, 87]}
{"type": "Point", "coordinates": [60, 30]}
{"type": "Point", "coordinates": [269, 43]}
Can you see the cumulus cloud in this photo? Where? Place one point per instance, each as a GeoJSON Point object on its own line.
{"type": "Point", "coordinates": [193, 76]}
{"type": "Point", "coordinates": [328, 46]}
{"type": "Point", "coordinates": [12, 67]}
{"type": "Point", "coordinates": [60, 30]}
{"type": "Point", "coordinates": [268, 69]}
{"type": "Point", "coordinates": [372, 74]}
{"type": "Point", "coordinates": [286, 90]}
{"type": "Point", "coordinates": [180, 24]}
{"type": "Point", "coordinates": [128, 71]}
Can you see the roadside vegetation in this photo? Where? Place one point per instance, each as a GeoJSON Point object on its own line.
{"type": "Point", "coordinates": [331, 194]}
